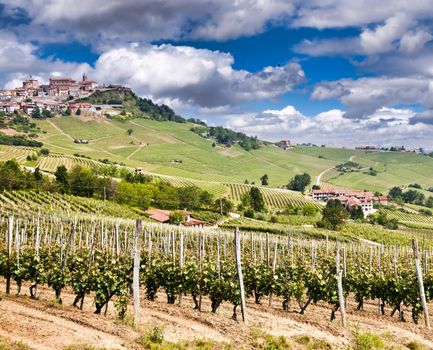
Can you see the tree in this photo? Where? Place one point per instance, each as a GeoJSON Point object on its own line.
{"type": "Point", "coordinates": [223, 205]}
{"type": "Point", "coordinates": [62, 179]}
{"type": "Point", "coordinates": [395, 193]}
{"type": "Point", "coordinates": [44, 152]}
{"type": "Point", "coordinates": [316, 187]}
{"type": "Point", "coordinates": [333, 215]}
{"type": "Point", "coordinates": [37, 174]}
{"type": "Point", "coordinates": [206, 199]}
{"type": "Point", "coordinates": [78, 111]}
{"type": "Point", "coordinates": [257, 202]}
{"type": "Point", "coordinates": [47, 113]}
{"type": "Point", "coordinates": [82, 181]}
{"type": "Point", "coordinates": [177, 217]}
{"type": "Point", "coordinates": [36, 113]}
{"type": "Point", "coordinates": [299, 182]}
{"type": "Point", "coordinates": [129, 132]}
{"type": "Point", "coordinates": [189, 197]}
{"type": "Point", "coordinates": [356, 213]}
{"type": "Point", "coordinates": [264, 179]}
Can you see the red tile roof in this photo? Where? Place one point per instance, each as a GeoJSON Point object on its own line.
{"type": "Point", "coordinates": [194, 222]}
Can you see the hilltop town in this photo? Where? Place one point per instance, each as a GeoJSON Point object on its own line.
{"type": "Point", "coordinates": [57, 96]}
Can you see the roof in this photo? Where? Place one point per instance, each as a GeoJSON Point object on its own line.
{"type": "Point", "coordinates": [194, 222]}
{"type": "Point", "coordinates": [164, 215]}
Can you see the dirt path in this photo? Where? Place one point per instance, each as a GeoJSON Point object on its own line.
{"type": "Point", "coordinates": [319, 177]}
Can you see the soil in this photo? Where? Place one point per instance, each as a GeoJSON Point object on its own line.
{"type": "Point", "coordinates": [44, 324]}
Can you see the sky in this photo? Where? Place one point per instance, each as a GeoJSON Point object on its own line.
{"type": "Point", "coordinates": [334, 72]}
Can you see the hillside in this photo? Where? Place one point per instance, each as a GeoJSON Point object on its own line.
{"type": "Point", "coordinates": [169, 148]}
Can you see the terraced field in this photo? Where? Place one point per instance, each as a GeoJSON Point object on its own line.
{"type": "Point", "coordinates": [51, 162]}
{"type": "Point", "coordinates": [18, 153]}
{"type": "Point", "coordinates": [274, 197]}
{"type": "Point", "coordinates": [408, 217]}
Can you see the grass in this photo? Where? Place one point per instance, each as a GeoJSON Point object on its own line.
{"type": "Point", "coordinates": [6, 344]}
{"type": "Point", "coordinates": [153, 339]}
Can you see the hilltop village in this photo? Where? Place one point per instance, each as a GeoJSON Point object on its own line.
{"type": "Point", "coordinates": [60, 94]}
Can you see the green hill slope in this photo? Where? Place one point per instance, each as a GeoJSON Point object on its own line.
{"type": "Point", "coordinates": [169, 148]}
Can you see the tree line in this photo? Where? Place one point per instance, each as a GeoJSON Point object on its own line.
{"type": "Point", "coordinates": [135, 190]}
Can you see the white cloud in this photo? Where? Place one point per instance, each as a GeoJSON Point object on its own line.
{"type": "Point", "coordinates": [196, 77]}
{"type": "Point", "coordinates": [365, 95]}
{"type": "Point", "coordinates": [384, 127]}
{"type": "Point", "coordinates": [19, 59]}
{"type": "Point", "coordinates": [382, 38]}
{"type": "Point", "coordinates": [329, 47]}
{"type": "Point", "coordinates": [414, 41]}
{"type": "Point", "coordinates": [133, 20]}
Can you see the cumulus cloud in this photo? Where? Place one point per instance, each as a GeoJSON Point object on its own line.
{"type": "Point", "coordinates": [384, 127]}
{"type": "Point", "coordinates": [382, 38]}
{"type": "Point", "coordinates": [155, 19]}
{"type": "Point", "coordinates": [197, 77]}
{"type": "Point", "coordinates": [414, 40]}
{"type": "Point", "coordinates": [365, 95]}
{"type": "Point", "coordinates": [19, 59]}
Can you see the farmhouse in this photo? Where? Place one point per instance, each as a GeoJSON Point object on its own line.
{"type": "Point", "coordinates": [283, 144]}
{"type": "Point", "coordinates": [349, 198]}
{"type": "Point", "coordinates": [163, 216]}
{"type": "Point", "coordinates": [352, 202]}
{"type": "Point", "coordinates": [324, 195]}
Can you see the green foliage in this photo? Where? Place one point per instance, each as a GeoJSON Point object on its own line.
{"type": "Point", "coordinates": [223, 205]}
{"type": "Point", "coordinates": [414, 345]}
{"type": "Point", "coordinates": [299, 182]}
{"type": "Point", "coordinates": [62, 179]}
{"type": "Point", "coordinates": [252, 200]}
{"type": "Point", "coordinates": [18, 140]}
{"type": "Point", "coordinates": [333, 215]}
{"type": "Point", "coordinates": [177, 217]}
{"type": "Point", "coordinates": [356, 213]}
{"type": "Point", "coordinates": [265, 180]}
{"type": "Point", "coordinates": [368, 341]}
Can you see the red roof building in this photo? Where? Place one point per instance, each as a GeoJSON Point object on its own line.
{"type": "Point", "coordinates": [163, 216]}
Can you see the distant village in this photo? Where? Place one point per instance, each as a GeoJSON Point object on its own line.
{"type": "Point", "coordinates": [58, 95]}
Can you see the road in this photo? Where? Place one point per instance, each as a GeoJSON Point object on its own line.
{"type": "Point", "coordinates": [319, 177]}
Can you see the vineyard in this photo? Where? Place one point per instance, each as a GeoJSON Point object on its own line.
{"type": "Point", "coordinates": [51, 162]}
{"type": "Point", "coordinates": [408, 217]}
{"type": "Point", "coordinates": [103, 259]}
{"type": "Point", "coordinates": [39, 201]}
{"type": "Point", "coordinates": [274, 197]}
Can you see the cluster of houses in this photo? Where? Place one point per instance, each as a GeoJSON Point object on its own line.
{"type": "Point", "coordinates": [56, 96]}
{"type": "Point", "coordinates": [351, 198]}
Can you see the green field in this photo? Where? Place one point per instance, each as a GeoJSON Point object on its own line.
{"type": "Point", "coordinates": [171, 152]}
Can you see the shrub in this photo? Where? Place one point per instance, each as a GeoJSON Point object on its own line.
{"type": "Point", "coordinates": [368, 341]}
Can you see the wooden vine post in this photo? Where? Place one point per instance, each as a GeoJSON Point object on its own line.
{"type": "Point", "coordinates": [341, 300]}
{"type": "Point", "coordinates": [9, 241]}
{"type": "Point", "coordinates": [240, 277]}
{"type": "Point", "coordinates": [420, 283]}
{"type": "Point", "coordinates": [136, 270]}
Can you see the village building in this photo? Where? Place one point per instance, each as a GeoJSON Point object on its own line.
{"type": "Point", "coordinates": [163, 216]}
{"type": "Point", "coordinates": [284, 144]}
{"type": "Point", "coordinates": [9, 107]}
{"type": "Point", "coordinates": [367, 148]}
{"type": "Point", "coordinates": [87, 85]}
{"type": "Point", "coordinates": [349, 198]}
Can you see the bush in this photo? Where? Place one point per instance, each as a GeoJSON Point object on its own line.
{"type": "Point", "coordinates": [249, 213]}
{"type": "Point", "coordinates": [368, 341]}
{"type": "Point", "coordinates": [413, 345]}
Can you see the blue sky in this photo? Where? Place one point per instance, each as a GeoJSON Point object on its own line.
{"type": "Point", "coordinates": [340, 73]}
